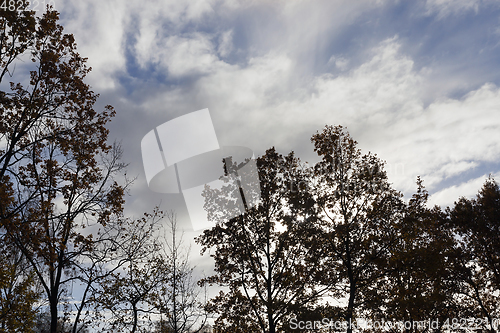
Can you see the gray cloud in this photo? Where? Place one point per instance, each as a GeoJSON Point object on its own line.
{"type": "Point", "coordinates": [272, 73]}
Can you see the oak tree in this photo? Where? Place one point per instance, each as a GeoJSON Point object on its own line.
{"type": "Point", "coordinates": [19, 294]}
{"type": "Point", "coordinates": [359, 214]}
{"type": "Point", "coordinates": [266, 256]}
{"type": "Point", "coordinates": [421, 285]}
{"type": "Point", "coordinates": [476, 222]}
{"type": "Point", "coordinates": [56, 168]}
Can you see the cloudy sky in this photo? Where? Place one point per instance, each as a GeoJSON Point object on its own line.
{"type": "Point", "coordinates": [416, 82]}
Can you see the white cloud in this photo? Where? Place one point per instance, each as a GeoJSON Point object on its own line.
{"type": "Point", "coordinates": [152, 13]}
{"type": "Point", "coordinates": [442, 140]}
{"type": "Point", "coordinates": [156, 29]}
{"type": "Point", "coordinates": [102, 28]}
{"type": "Point", "coordinates": [380, 102]}
{"type": "Point", "coordinates": [188, 56]}
{"type": "Point", "coordinates": [99, 29]}
{"type": "Point", "coordinates": [270, 101]}
{"type": "Point", "coordinates": [342, 63]}
{"type": "Point", "coordinates": [225, 43]}
{"type": "Point", "coordinates": [338, 62]}
{"type": "Point", "coordinates": [160, 20]}
{"type": "Point", "coordinates": [448, 196]}
{"type": "Point", "coordinates": [443, 8]}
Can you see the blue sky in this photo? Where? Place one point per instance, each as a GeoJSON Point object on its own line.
{"type": "Point", "coordinates": [416, 82]}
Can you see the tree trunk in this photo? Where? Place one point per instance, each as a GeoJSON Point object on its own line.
{"type": "Point", "coordinates": [53, 312]}
{"type": "Point", "coordinates": [350, 309]}
{"type": "Point", "coordinates": [134, 309]}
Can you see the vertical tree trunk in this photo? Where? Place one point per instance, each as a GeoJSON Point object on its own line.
{"type": "Point", "coordinates": [134, 309]}
{"type": "Point", "coordinates": [174, 282]}
{"type": "Point", "coordinates": [352, 287]}
{"type": "Point", "coordinates": [350, 308]}
{"type": "Point", "coordinates": [53, 312]}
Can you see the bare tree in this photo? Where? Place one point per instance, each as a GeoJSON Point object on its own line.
{"type": "Point", "coordinates": [123, 289]}
{"type": "Point", "coordinates": [180, 298]}
{"type": "Point", "coordinates": [119, 247]}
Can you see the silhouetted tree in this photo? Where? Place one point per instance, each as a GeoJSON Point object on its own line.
{"type": "Point", "coordinates": [476, 222]}
{"type": "Point", "coordinates": [359, 215]}
{"type": "Point", "coordinates": [56, 169]}
{"type": "Point", "coordinates": [126, 294]}
{"type": "Point", "coordinates": [420, 285]}
{"type": "Point", "coordinates": [265, 257]}
{"type": "Point", "coordinates": [121, 268]}
{"type": "Point", "coordinates": [19, 294]}
{"type": "Point", "coordinates": [180, 300]}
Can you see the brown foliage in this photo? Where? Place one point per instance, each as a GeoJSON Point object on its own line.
{"type": "Point", "coordinates": [267, 257]}
{"type": "Point", "coordinates": [477, 267]}
{"type": "Point", "coordinates": [56, 168]}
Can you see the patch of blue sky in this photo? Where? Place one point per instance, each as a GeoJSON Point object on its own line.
{"type": "Point", "coordinates": [482, 168]}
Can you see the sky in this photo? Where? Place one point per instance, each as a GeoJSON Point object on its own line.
{"type": "Point", "coordinates": [415, 82]}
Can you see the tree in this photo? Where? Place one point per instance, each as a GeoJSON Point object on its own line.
{"type": "Point", "coordinates": [155, 280]}
{"type": "Point", "coordinates": [265, 257]}
{"type": "Point", "coordinates": [56, 168]}
{"type": "Point", "coordinates": [18, 292]}
{"type": "Point", "coordinates": [112, 265]}
{"type": "Point", "coordinates": [359, 214]}
{"type": "Point", "coordinates": [421, 285]}
{"type": "Point", "coordinates": [17, 29]}
{"type": "Point", "coordinates": [125, 291]}
{"type": "Point", "coordinates": [476, 222]}
{"type": "Point", "coordinates": [178, 297]}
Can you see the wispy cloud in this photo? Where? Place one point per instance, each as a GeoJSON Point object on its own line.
{"type": "Point", "coordinates": [418, 93]}
{"type": "Point", "coordinates": [443, 8]}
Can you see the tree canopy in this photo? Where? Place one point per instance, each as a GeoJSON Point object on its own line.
{"type": "Point", "coordinates": [337, 230]}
